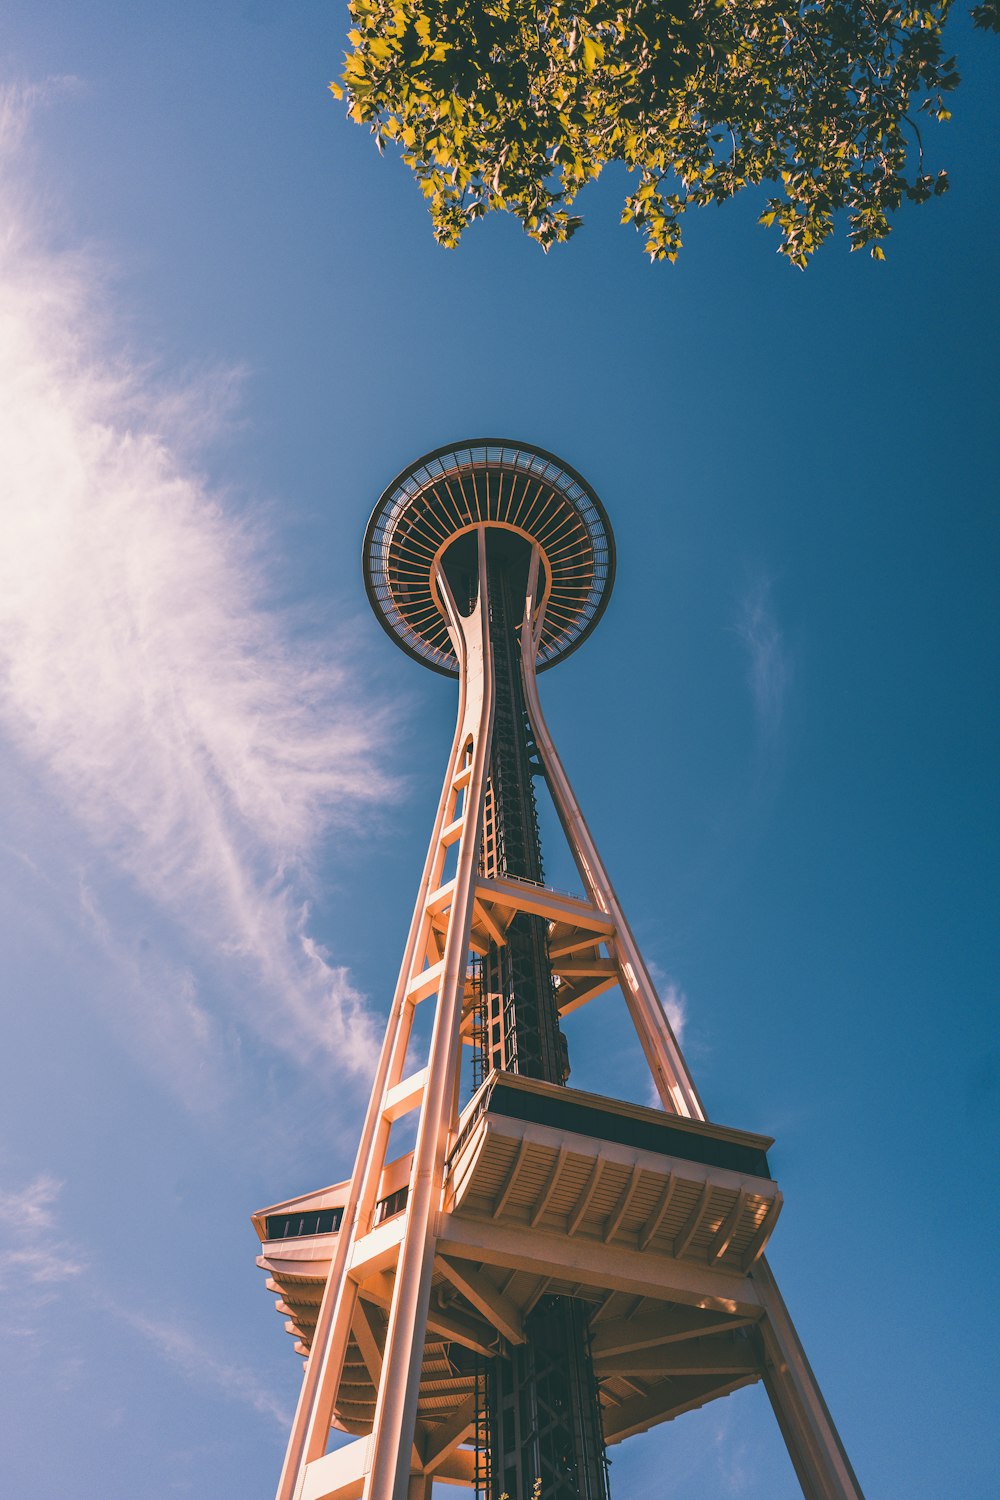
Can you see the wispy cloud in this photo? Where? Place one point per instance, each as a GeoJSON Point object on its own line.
{"type": "Point", "coordinates": [734, 1457]}
{"type": "Point", "coordinates": [675, 1002]}
{"type": "Point", "coordinates": [191, 1354]}
{"type": "Point", "coordinates": [769, 663]}
{"type": "Point", "coordinates": [35, 1260]}
{"type": "Point", "coordinates": [204, 747]}
{"type": "Point", "coordinates": [164, 1024]}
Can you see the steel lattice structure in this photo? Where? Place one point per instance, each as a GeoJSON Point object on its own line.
{"type": "Point", "coordinates": [547, 1272]}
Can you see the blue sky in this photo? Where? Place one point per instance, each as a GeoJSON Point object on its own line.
{"type": "Point", "coordinates": [225, 326]}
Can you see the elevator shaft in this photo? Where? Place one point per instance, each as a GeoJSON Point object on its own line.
{"type": "Point", "coordinates": [524, 1034]}
{"type": "Point", "coordinates": [542, 1409]}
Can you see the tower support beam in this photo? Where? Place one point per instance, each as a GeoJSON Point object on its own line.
{"type": "Point", "coordinates": [671, 1076]}
{"type": "Point", "coordinates": [388, 1474]}
{"type": "Point", "coordinates": [460, 802]}
{"type": "Point", "coordinates": [813, 1442]}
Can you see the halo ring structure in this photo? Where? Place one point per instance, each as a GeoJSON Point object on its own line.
{"type": "Point", "coordinates": [497, 483]}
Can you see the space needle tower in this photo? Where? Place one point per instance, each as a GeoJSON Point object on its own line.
{"type": "Point", "coordinates": [546, 1272]}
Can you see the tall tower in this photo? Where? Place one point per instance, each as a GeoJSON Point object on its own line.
{"type": "Point", "coordinates": [546, 1272]}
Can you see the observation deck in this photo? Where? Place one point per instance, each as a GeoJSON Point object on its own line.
{"type": "Point", "coordinates": [652, 1220]}
{"type": "Point", "coordinates": [506, 486]}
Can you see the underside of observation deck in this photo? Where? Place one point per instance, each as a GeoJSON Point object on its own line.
{"type": "Point", "coordinates": [505, 486]}
{"type": "Point", "coordinates": [650, 1222]}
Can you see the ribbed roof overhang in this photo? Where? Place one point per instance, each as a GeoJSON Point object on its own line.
{"type": "Point", "coordinates": [495, 483]}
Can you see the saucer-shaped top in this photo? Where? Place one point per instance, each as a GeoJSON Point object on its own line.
{"type": "Point", "coordinates": [495, 483]}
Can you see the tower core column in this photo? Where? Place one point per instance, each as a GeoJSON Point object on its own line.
{"type": "Point", "coordinates": [541, 1402]}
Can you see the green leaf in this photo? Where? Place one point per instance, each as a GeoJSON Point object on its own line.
{"type": "Point", "coordinates": [514, 105]}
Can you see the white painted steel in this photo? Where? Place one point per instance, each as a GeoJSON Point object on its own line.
{"type": "Point", "coordinates": [314, 1411]}
{"type": "Point", "coordinates": [673, 1080]}
{"type": "Point", "coordinates": [396, 1408]}
{"type": "Point", "coordinates": [821, 1463]}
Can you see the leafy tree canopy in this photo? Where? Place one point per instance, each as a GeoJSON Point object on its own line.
{"type": "Point", "coordinates": [516, 104]}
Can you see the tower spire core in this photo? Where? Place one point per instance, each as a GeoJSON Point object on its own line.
{"type": "Point", "coordinates": [547, 1272]}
